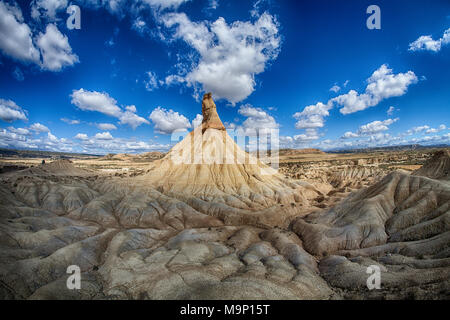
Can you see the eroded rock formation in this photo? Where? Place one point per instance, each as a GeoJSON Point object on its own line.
{"type": "Point", "coordinates": [211, 119]}
{"type": "Point", "coordinates": [196, 227]}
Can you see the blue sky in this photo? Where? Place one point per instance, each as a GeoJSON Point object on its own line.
{"type": "Point", "coordinates": [135, 72]}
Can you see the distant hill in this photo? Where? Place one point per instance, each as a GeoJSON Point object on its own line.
{"type": "Point", "coordinates": [293, 152]}
{"type": "Point", "coordinates": [438, 167]}
{"type": "Point", "coordinates": [143, 157]}
{"type": "Point", "coordinates": [42, 154]}
{"type": "Point", "coordinates": [153, 155]}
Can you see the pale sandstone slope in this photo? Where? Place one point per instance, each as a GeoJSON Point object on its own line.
{"type": "Point", "coordinates": [211, 173]}
{"type": "Point", "coordinates": [208, 164]}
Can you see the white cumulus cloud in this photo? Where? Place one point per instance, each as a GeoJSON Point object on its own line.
{"type": "Point", "coordinates": [168, 121]}
{"type": "Point", "coordinates": [381, 85]}
{"type": "Point", "coordinates": [10, 111]}
{"type": "Point", "coordinates": [349, 135]}
{"type": "Point", "coordinates": [103, 136]}
{"type": "Point", "coordinates": [70, 121]}
{"type": "Point", "coordinates": [371, 128]}
{"type": "Point", "coordinates": [21, 131]}
{"type": "Point", "coordinates": [309, 135]}
{"type": "Point", "coordinates": [81, 136]}
{"type": "Point", "coordinates": [417, 129]}
{"type": "Point", "coordinates": [132, 119]}
{"type": "Point", "coordinates": [436, 130]}
{"type": "Point", "coordinates": [55, 49]}
{"type": "Point", "coordinates": [50, 52]}
{"type": "Point", "coordinates": [197, 121]}
{"type": "Point", "coordinates": [230, 55]}
{"type": "Point", "coordinates": [38, 127]}
{"type": "Point", "coordinates": [102, 102]}
{"type": "Point", "coordinates": [335, 88]}
{"type": "Point", "coordinates": [95, 101]}
{"type": "Point", "coordinates": [376, 126]}
{"type": "Point", "coordinates": [390, 111]}
{"type": "Point", "coordinates": [15, 35]}
{"type": "Point", "coordinates": [426, 43]}
{"type": "Point", "coordinates": [106, 126]}
{"type": "Point", "coordinates": [164, 4]}
{"type": "Point", "coordinates": [47, 8]}
{"type": "Point", "coordinates": [312, 116]}
{"type": "Point", "coordinates": [258, 121]}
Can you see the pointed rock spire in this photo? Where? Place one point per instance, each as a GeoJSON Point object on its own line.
{"type": "Point", "coordinates": [211, 119]}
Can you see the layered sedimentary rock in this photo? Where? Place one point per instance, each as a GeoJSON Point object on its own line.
{"type": "Point", "coordinates": [211, 119]}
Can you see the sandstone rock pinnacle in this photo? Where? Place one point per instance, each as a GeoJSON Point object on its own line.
{"type": "Point", "coordinates": [211, 119]}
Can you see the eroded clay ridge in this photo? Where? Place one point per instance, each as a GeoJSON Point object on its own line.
{"type": "Point", "coordinates": [438, 167]}
{"type": "Point", "coordinates": [211, 119]}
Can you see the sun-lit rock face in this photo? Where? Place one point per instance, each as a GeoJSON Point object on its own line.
{"type": "Point", "coordinates": [211, 119]}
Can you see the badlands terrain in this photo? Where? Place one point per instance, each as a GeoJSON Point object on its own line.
{"type": "Point", "coordinates": [175, 226]}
